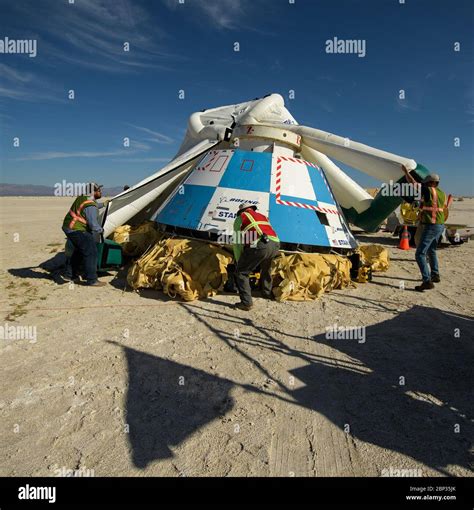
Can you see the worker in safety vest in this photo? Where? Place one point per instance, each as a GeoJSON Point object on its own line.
{"type": "Point", "coordinates": [255, 244]}
{"type": "Point", "coordinates": [432, 217]}
{"type": "Point", "coordinates": [80, 224]}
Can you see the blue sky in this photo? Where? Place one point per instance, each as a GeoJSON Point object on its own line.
{"type": "Point", "coordinates": [190, 47]}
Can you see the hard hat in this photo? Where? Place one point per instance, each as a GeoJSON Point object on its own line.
{"type": "Point", "coordinates": [247, 205]}
{"type": "Point", "coordinates": [431, 178]}
{"type": "Point", "coordinates": [91, 187]}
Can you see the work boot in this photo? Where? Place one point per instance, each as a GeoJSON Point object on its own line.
{"type": "Point", "coordinates": [424, 286]}
{"type": "Point", "coordinates": [241, 306]}
{"type": "Point", "coordinates": [435, 278]}
{"type": "Point", "coordinates": [96, 284]}
{"type": "Point", "coordinates": [73, 279]}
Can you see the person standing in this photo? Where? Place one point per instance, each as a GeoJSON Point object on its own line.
{"type": "Point", "coordinates": [69, 250]}
{"type": "Point", "coordinates": [255, 244]}
{"type": "Point", "coordinates": [80, 224]}
{"type": "Point", "coordinates": [432, 218]}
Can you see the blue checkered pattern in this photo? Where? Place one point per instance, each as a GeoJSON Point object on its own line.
{"type": "Point", "coordinates": [248, 174]}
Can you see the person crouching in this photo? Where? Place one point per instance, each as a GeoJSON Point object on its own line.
{"type": "Point", "coordinates": [80, 224]}
{"type": "Point", "coordinates": [255, 244]}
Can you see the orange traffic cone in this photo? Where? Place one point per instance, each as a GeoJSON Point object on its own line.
{"type": "Point", "coordinates": [405, 239]}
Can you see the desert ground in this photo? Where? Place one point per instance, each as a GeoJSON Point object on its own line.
{"type": "Point", "coordinates": [121, 383]}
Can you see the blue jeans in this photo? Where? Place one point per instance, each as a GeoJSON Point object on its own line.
{"type": "Point", "coordinates": [68, 250]}
{"type": "Point", "coordinates": [249, 260]}
{"type": "Point", "coordinates": [85, 251]}
{"type": "Point", "coordinates": [426, 251]}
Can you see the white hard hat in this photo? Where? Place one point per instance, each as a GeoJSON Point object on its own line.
{"type": "Point", "coordinates": [431, 178]}
{"type": "Point", "coordinates": [247, 205]}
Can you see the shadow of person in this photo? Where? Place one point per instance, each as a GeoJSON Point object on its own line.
{"type": "Point", "coordinates": [53, 267]}
{"type": "Point", "coordinates": [167, 402]}
{"type": "Point", "coordinates": [55, 263]}
{"type": "Point", "coordinates": [29, 272]}
{"type": "Point", "coordinates": [412, 391]}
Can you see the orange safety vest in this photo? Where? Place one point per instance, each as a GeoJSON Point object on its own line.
{"type": "Point", "coordinates": [75, 218]}
{"type": "Point", "coordinates": [433, 210]}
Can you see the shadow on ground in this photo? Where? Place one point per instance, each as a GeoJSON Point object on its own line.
{"type": "Point", "coordinates": [428, 418]}
{"type": "Point", "coordinates": [167, 402]}
{"type": "Point", "coordinates": [120, 278]}
{"type": "Point", "coordinates": [377, 239]}
{"type": "Point", "coordinates": [54, 269]}
{"type": "Point", "coordinates": [31, 272]}
{"type": "Point", "coordinates": [406, 388]}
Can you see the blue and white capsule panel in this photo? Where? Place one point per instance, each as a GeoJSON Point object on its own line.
{"type": "Point", "coordinates": [293, 193]}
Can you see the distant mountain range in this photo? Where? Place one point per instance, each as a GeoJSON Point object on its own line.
{"type": "Point", "coordinates": [34, 190]}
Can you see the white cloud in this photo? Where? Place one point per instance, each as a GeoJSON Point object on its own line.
{"type": "Point", "coordinates": [136, 147]}
{"type": "Point", "coordinates": [405, 104]}
{"type": "Point", "coordinates": [27, 86]}
{"type": "Point", "coordinates": [220, 14]}
{"type": "Point", "coordinates": [414, 94]}
{"type": "Point", "coordinates": [11, 74]}
{"type": "Point", "coordinates": [139, 146]}
{"type": "Point", "coordinates": [225, 13]}
{"type": "Point", "coordinates": [155, 136]}
{"type": "Point", "coordinates": [41, 156]}
{"type": "Point", "coordinates": [142, 160]}
{"type": "Point", "coordinates": [92, 33]}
